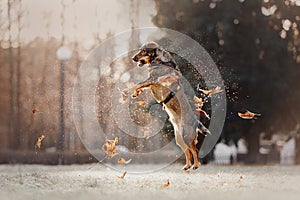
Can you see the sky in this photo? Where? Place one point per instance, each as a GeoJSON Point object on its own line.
{"type": "Point", "coordinates": [83, 19]}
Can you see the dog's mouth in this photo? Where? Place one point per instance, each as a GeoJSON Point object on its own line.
{"type": "Point", "coordinates": [141, 63]}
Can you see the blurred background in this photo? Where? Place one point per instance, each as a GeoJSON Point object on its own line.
{"type": "Point", "coordinates": [255, 44]}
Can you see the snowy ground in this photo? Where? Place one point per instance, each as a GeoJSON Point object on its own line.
{"type": "Point", "coordinates": [98, 182]}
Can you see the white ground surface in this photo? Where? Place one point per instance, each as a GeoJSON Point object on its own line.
{"type": "Point", "coordinates": [98, 182]}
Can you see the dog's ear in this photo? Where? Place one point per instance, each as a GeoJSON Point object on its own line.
{"type": "Point", "coordinates": [163, 55]}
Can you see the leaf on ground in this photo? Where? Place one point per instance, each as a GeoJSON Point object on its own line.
{"type": "Point", "coordinates": [165, 185]}
{"type": "Point", "coordinates": [123, 175]}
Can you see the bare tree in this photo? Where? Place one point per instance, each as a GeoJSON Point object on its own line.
{"type": "Point", "coordinates": [11, 130]}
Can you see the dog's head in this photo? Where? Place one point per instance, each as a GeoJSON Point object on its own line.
{"type": "Point", "coordinates": [152, 53]}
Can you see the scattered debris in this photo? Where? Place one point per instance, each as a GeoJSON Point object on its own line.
{"type": "Point", "coordinates": [123, 175]}
{"type": "Point", "coordinates": [123, 161]}
{"type": "Point", "coordinates": [248, 115]}
{"type": "Point", "coordinates": [210, 92]}
{"type": "Point", "coordinates": [110, 147]}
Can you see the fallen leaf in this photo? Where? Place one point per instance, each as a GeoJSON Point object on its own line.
{"type": "Point", "coordinates": [210, 92]}
{"type": "Point", "coordinates": [248, 115]}
{"type": "Point", "coordinates": [241, 177]}
{"type": "Point", "coordinates": [123, 161]}
{"type": "Point", "coordinates": [165, 185]}
{"type": "Point", "coordinates": [123, 175]}
{"type": "Point", "coordinates": [141, 103]}
{"type": "Point", "coordinates": [38, 143]}
{"type": "Point", "coordinates": [110, 147]}
{"type": "Point", "coordinates": [198, 102]}
{"type": "Point", "coordinates": [202, 113]}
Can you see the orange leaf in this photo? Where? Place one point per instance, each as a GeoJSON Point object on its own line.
{"type": "Point", "coordinates": [209, 92]}
{"type": "Point", "coordinates": [123, 175]}
{"type": "Point", "coordinates": [110, 147]}
{"type": "Point", "coordinates": [165, 185]}
{"type": "Point", "coordinates": [123, 161]}
{"type": "Point", "coordinates": [38, 143]}
{"type": "Point", "coordinates": [202, 112]}
{"type": "Point", "coordinates": [198, 102]}
{"type": "Point", "coordinates": [248, 115]}
{"type": "Point", "coordinates": [141, 103]}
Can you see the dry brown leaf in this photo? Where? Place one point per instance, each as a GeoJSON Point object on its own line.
{"type": "Point", "coordinates": [210, 92]}
{"type": "Point", "coordinates": [110, 147]}
{"type": "Point", "coordinates": [38, 143]}
{"type": "Point", "coordinates": [248, 115]}
{"type": "Point", "coordinates": [123, 161]}
{"type": "Point", "coordinates": [202, 113]}
{"type": "Point", "coordinates": [241, 177]}
{"type": "Point", "coordinates": [123, 175]}
{"type": "Point", "coordinates": [167, 80]}
{"type": "Point", "coordinates": [198, 102]}
{"type": "Point", "coordinates": [165, 185]}
{"type": "Point", "coordinates": [141, 103]}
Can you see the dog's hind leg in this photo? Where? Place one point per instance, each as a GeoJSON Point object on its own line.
{"type": "Point", "coordinates": [194, 152]}
{"type": "Point", "coordinates": [180, 142]}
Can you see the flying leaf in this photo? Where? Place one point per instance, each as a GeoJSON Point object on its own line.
{"type": "Point", "coordinates": [202, 113]}
{"type": "Point", "coordinates": [165, 185]}
{"type": "Point", "coordinates": [123, 161]}
{"type": "Point", "coordinates": [210, 92]}
{"type": "Point", "coordinates": [123, 175]}
{"type": "Point", "coordinates": [198, 102]}
{"type": "Point", "coordinates": [110, 147]}
{"type": "Point", "coordinates": [38, 143]}
{"type": "Point", "coordinates": [248, 115]}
